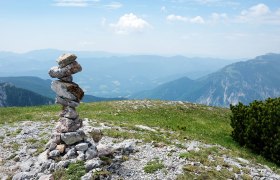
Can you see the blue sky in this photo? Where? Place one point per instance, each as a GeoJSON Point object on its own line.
{"type": "Point", "coordinates": [215, 28]}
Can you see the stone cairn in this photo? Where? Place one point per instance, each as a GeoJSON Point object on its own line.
{"type": "Point", "coordinates": [68, 140]}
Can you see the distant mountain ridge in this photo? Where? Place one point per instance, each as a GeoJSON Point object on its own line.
{"type": "Point", "coordinates": [112, 75]}
{"type": "Point", "coordinates": [255, 79]}
{"type": "Point", "coordinates": [41, 87]}
{"type": "Point", "coordinates": [13, 96]}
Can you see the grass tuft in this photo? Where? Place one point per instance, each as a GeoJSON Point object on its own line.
{"type": "Point", "coordinates": [153, 166]}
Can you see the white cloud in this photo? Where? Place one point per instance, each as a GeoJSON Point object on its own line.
{"type": "Point", "coordinates": [130, 23]}
{"type": "Point", "coordinates": [173, 17]}
{"type": "Point", "coordinates": [197, 20]}
{"type": "Point", "coordinates": [257, 10]}
{"type": "Point", "coordinates": [73, 3]}
{"type": "Point", "coordinates": [194, 20]}
{"type": "Point", "coordinates": [114, 5]}
{"type": "Point", "coordinates": [260, 14]}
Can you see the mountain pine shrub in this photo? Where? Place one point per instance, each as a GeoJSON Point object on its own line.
{"type": "Point", "coordinates": [257, 126]}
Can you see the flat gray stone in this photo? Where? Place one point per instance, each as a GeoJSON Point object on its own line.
{"type": "Point", "coordinates": [66, 102]}
{"type": "Point", "coordinates": [91, 153]}
{"type": "Point", "coordinates": [93, 163]}
{"type": "Point", "coordinates": [66, 90]}
{"type": "Point", "coordinates": [54, 153]}
{"type": "Point", "coordinates": [47, 177]}
{"type": "Point", "coordinates": [73, 137]}
{"type": "Point", "coordinates": [58, 72]}
{"type": "Point", "coordinates": [52, 146]}
{"type": "Point", "coordinates": [69, 112]}
{"type": "Point", "coordinates": [66, 59]}
{"type": "Point", "coordinates": [81, 147]}
{"type": "Point", "coordinates": [68, 125]}
{"type": "Point", "coordinates": [55, 137]}
{"type": "Point", "coordinates": [63, 164]}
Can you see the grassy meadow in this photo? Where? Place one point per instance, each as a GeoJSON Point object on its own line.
{"type": "Point", "coordinates": [175, 122]}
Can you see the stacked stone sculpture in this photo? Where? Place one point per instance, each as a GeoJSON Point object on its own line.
{"type": "Point", "coordinates": [68, 140]}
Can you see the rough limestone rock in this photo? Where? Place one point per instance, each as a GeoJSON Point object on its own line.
{"type": "Point", "coordinates": [91, 153]}
{"type": "Point", "coordinates": [67, 79]}
{"type": "Point", "coordinates": [54, 153]}
{"type": "Point", "coordinates": [47, 177]}
{"type": "Point", "coordinates": [66, 102]}
{"type": "Point", "coordinates": [56, 138]}
{"type": "Point", "coordinates": [57, 72]}
{"type": "Point", "coordinates": [67, 90]}
{"type": "Point", "coordinates": [66, 59]}
{"type": "Point", "coordinates": [22, 176]}
{"type": "Point", "coordinates": [68, 125]}
{"type": "Point", "coordinates": [73, 137]}
{"type": "Point", "coordinates": [93, 163]}
{"type": "Point", "coordinates": [81, 147]}
{"type": "Point", "coordinates": [69, 112]}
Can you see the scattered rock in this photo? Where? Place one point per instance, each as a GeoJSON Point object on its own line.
{"type": "Point", "coordinates": [22, 176]}
{"type": "Point", "coordinates": [61, 148]}
{"type": "Point", "coordinates": [96, 135]}
{"type": "Point", "coordinates": [81, 147]}
{"type": "Point", "coordinates": [91, 153]}
{"type": "Point", "coordinates": [47, 177]}
{"type": "Point", "coordinates": [54, 153]}
{"type": "Point", "coordinates": [93, 163]}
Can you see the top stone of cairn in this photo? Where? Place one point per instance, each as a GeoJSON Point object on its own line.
{"type": "Point", "coordinates": [66, 59]}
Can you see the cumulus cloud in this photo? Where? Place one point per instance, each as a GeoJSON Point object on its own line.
{"type": "Point", "coordinates": [130, 23]}
{"type": "Point", "coordinates": [257, 10]}
{"type": "Point", "coordinates": [114, 5]}
{"type": "Point", "coordinates": [194, 20]}
{"type": "Point", "coordinates": [259, 13]}
{"type": "Point", "coordinates": [197, 20]}
{"type": "Point", "coordinates": [73, 3]}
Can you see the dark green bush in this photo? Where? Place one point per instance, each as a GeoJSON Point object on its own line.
{"type": "Point", "coordinates": [257, 127]}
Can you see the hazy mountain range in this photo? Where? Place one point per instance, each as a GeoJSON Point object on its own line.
{"type": "Point", "coordinates": [13, 96]}
{"type": "Point", "coordinates": [14, 90]}
{"type": "Point", "coordinates": [168, 78]}
{"type": "Point", "coordinates": [111, 75]}
{"type": "Point", "coordinates": [255, 79]}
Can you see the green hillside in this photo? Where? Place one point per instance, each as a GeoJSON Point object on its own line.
{"type": "Point", "coordinates": [176, 122]}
